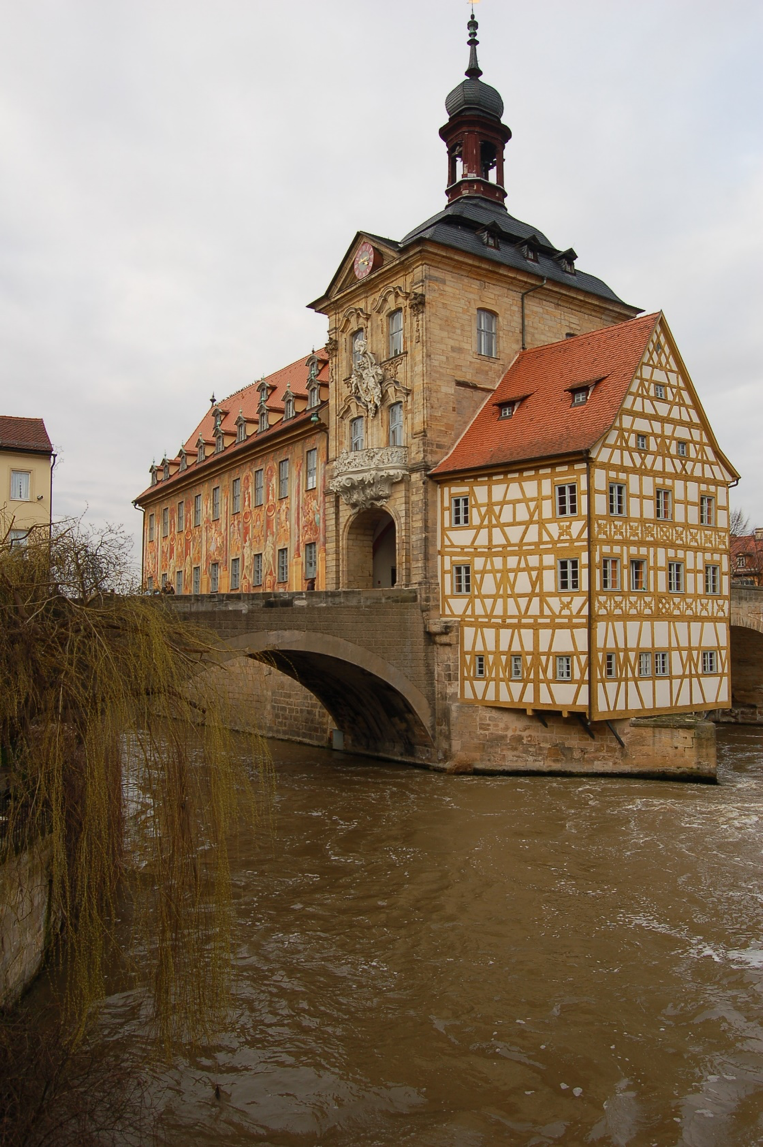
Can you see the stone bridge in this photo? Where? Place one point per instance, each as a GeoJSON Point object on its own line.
{"type": "Point", "coordinates": [369, 656]}
{"type": "Point", "coordinates": [747, 653]}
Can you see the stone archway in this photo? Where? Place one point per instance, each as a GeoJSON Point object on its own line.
{"type": "Point", "coordinates": [371, 550]}
{"type": "Point", "coordinates": [747, 673]}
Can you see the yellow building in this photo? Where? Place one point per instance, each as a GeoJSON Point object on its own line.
{"type": "Point", "coordinates": [584, 533]}
{"type": "Point", "coordinates": [26, 476]}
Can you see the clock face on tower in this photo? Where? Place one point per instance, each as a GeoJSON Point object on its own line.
{"type": "Point", "coordinates": [366, 259]}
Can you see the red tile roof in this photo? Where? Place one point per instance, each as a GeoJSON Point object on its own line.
{"type": "Point", "coordinates": [25, 434]}
{"type": "Point", "coordinates": [545, 424]}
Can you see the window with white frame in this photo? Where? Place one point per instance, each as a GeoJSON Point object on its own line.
{"type": "Point", "coordinates": [675, 577]}
{"type": "Point", "coordinates": [610, 665]}
{"type": "Point", "coordinates": [709, 661]}
{"type": "Point", "coordinates": [196, 579]}
{"type": "Point", "coordinates": [459, 510]}
{"type": "Point", "coordinates": [289, 408]}
{"type": "Point", "coordinates": [395, 328]}
{"type": "Point", "coordinates": [681, 450]}
{"type": "Point", "coordinates": [357, 437]}
{"type": "Point", "coordinates": [641, 442]}
{"type": "Point", "coordinates": [645, 665]}
{"type": "Point", "coordinates": [151, 527]}
{"type": "Point", "coordinates": [283, 565]}
{"type": "Point", "coordinates": [568, 574]}
{"type": "Point", "coordinates": [219, 443]}
{"type": "Point", "coordinates": [283, 478]}
{"type": "Point", "coordinates": [564, 668]}
{"type": "Point", "coordinates": [259, 487]}
{"type": "Point", "coordinates": [661, 664]}
{"type": "Point", "coordinates": [214, 577]}
{"type": "Point", "coordinates": [659, 390]}
{"type": "Point", "coordinates": [311, 469]}
{"type": "Point", "coordinates": [638, 574]}
{"type": "Point", "coordinates": [17, 539]}
{"type": "Point", "coordinates": [506, 409]}
{"type": "Point", "coordinates": [566, 500]}
{"type": "Point", "coordinates": [663, 505]}
{"type": "Point", "coordinates": [215, 503]}
{"type": "Point", "coordinates": [181, 517]}
{"type": "Point", "coordinates": [516, 666]}
{"type": "Point", "coordinates": [396, 424]}
{"type": "Point", "coordinates": [236, 496]}
{"type": "Point", "coordinates": [610, 573]}
{"type": "Point", "coordinates": [486, 333]}
{"type": "Point", "coordinates": [706, 510]}
{"type": "Point", "coordinates": [235, 573]}
{"type": "Point", "coordinates": [617, 499]}
{"type": "Point", "coordinates": [257, 570]}
{"type": "Point", "coordinates": [20, 485]}
{"type": "Point", "coordinates": [579, 396]}
{"type": "Point", "coordinates": [178, 581]}
{"type": "Point", "coordinates": [311, 560]}
{"type": "Point", "coordinates": [479, 665]}
{"type": "Point", "coordinates": [263, 422]}
{"type": "Point", "coordinates": [197, 510]}
{"type": "Point", "coordinates": [462, 579]}
{"type": "Point", "coordinates": [241, 430]}
{"type": "Point", "coordinates": [165, 522]}
{"type": "Point", "coordinates": [712, 579]}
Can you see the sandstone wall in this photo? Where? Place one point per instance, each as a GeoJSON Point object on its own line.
{"type": "Point", "coordinates": [24, 907]}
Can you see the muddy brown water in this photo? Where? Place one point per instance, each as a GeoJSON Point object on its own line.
{"type": "Point", "coordinates": [453, 961]}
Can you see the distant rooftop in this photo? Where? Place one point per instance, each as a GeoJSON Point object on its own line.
{"type": "Point", "coordinates": [27, 435]}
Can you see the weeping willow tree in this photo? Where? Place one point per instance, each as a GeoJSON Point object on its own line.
{"type": "Point", "coordinates": [130, 780]}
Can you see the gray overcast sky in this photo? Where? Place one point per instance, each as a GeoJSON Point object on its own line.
{"type": "Point", "coordinates": [179, 178]}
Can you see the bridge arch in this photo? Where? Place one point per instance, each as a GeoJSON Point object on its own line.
{"type": "Point", "coordinates": [375, 705]}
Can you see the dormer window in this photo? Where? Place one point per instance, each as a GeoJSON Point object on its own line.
{"type": "Point", "coordinates": [183, 459]}
{"type": "Point", "coordinates": [165, 469]}
{"type": "Point", "coordinates": [506, 409]}
{"type": "Point", "coordinates": [313, 395]}
{"type": "Point", "coordinates": [490, 238]}
{"type": "Point", "coordinates": [530, 253]}
{"type": "Point", "coordinates": [241, 427]}
{"type": "Point", "coordinates": [288, 405]}
{"type": "Point", "coordinates": [566, 260]}
{"type": "Point", "coordinates": [219, 442]}
{"type": "Point", "coordinates": [264, 421]}
{"type": "Point", "coordinates": [201, 452]}
{"type": "Point", "coordinates": [580, 396]}
{"type": "Point", "coordinates": [153, 474]}
{"type": "Point", "coordinates": [313, 386]}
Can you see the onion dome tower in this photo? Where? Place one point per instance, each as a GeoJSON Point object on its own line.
{"type": "Point", "coordinates": [474, 134]}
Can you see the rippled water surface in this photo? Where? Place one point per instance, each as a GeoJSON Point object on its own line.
{"type": "Point", "coordinates": [471, 961]}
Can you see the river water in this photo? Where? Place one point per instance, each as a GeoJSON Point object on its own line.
{"type": "Point", "coordinates": [455, 961]}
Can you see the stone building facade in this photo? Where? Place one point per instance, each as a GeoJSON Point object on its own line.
{"type": "Point", "coordinates": [26, 477]}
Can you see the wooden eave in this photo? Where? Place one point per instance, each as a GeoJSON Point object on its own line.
{"type": "Point", "coordinates": [500, 467]}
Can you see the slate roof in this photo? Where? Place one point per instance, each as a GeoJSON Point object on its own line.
{"type": "Point", "coordinates": [24, 434]}
{"type": "Point", "coordinates": [460, 223]}
{"type": "Point", "coordinates": [247, 402]}
{"type": "Point", "coordinates": [545, 424]}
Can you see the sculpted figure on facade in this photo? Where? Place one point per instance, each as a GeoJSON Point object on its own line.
{"type": "Point", "coordinates": [366, 379]}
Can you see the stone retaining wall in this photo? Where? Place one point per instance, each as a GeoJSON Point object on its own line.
{"type": "Point", "coordinates": [24, 909]}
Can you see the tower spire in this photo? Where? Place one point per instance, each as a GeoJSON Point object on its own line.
{"type": "Point", "coordinates": [474, 71]}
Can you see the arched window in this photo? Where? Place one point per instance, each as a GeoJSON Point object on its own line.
{"type": "Point", "coordinates": [395, 323]}
{"type": "Point", "coordinates": [288, 405]}
{"type": "Point", "coordinates": [357, 435]}
{"type": "Point", "coordinates": [486, 333]}
{"type": "Point", "coordinates": [264, 421]}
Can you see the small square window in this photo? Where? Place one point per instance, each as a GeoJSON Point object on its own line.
{"type": "Point", "coordinates": [197, 510]}
{"type": "Point", "coordinates": [709, 661]}
{"type": "Point", "coordinates": [617, 499]}
{"type": "Point", "coordinates": [462, 579]}
{"type": "Point", "coordinates": [215, 503]}
{"type": "Point", "coordinates": [283, 478]}
{"type": "Point", "coordinates": [564, 668]}
{"type": "Point", "coordinates": [214, 577]}
{"type": "Point", "coordinates": [283, 565]}
{"type": "Point", "coordinates": [661, 664]}
{"type": "Point", "coordinates": [235, 573]}
{"type": "Point", "coordinates": [257, 570]}
{"type": "Point", "coordinates": [506, 409]}
{"type": "Point", "coordinates": [479, 665]}
{"type": "Point", "coordinates": [196, 579]}
{"type": "Point", "coordinates": [659, 390]}
{"type": "Point", "coordinates": [681, 450]}
{"type": "Point", "coordinates": [645, 665]}
{"type": "Point", "coordinates": [459, 511]}
{"type": "Point", "coordinates": [567, 500]}
{"type": "Point", "coordinates": [610, 665]}
{"type": "Point", "coordinates": [259, 487]}
{"type": "Point", "coordinates": [580, 397]}
{"type": "Point", "coordinates": [516, 666]}
{"type": "Point", "coordinates": [311, 560]}
{"type": "Point", "coordinates": [236, 496]}
{"type": "Point", "coordinates": [311, 469]}
{"type": "Point", "coordinates": [641, 443]}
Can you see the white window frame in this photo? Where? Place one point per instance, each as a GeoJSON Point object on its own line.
{"type": "Point", "coordinates": [479, 665]}
{"type": "Point", "coordinates": [676, 577]}
{"type": "Point", "coordinates": [487, 333]}
{"type": "Point", "coordinates": [663, 504]}
{"type": "Point", "coordinates": [459, 510]}
{"type": "Point", "coordinates": [21, 481]}
{"type": "Point", "coordinates": [236, 496]}
{"type": "Point", "coordinates": [283, 478]}
{"type": "Point", "coordinates": [642, 442]}
{"type": "Point", "coordinates": [357, 434]}
{"type": "Point", "coordinates": [235, 573]}
{"type": "Point", "coordinates": [662, 663]}
{"type": "Point", "coordinates": [197, 509]}
{"type": "Point", "coordinates": [396, 424]}
{"type": "Point", "coordinates": [151, 527]}
{"type": "Point", "coordinates": [259, 487]}
{"type": "Point", "coordinates": [282, 575]}
{"type": "Point", "coordinates": [564, 667]}
{"type": "Point", "coordinates": [196, 579]}
{"type": "Point", "coordinates": [610, 573]}
{"type": "Point", "coordinates": [516, 667]}
{"type": "Point", "coordinates": [311, 560]}
{"type": "Point", "coordinates": [166, 522]}
{"type": "Point", "coordinates": [617, 500]}
{"type": "Point", "coordinates": [395, 332]}
{"type": "Point", "coordinates": [636, 565]}
{"type": "Point", "coordinates": [215, 503]}
{"type": "Point", "coordinates": [214, 577]}
{"type": "Point", "coordinates": [610, 666]}
{"type": "Point", "coordinates": [645, 664]}
{"type": "Point", "coordinates": [180, 517]}
{"type": "Point", "coordinates": [712, 579]}
{"type": "Point", "coordinates": [709, 661]}
{"type": "Point", "coordinates": [659, 390]}
{"type": "Point", "coordinates": [682, 448]}
{"type": "Point", "coordinates": [257, 570]}
{"type": "Point", "coordinates": [568, 571]}
{"type": "Point", "coordinates": [567, 500]}
{"type": "Point", "coordinates": [311, 469]}
{"type": "Point", "coordinates": [706, 510]}
{"type": "Point", "coordinates": [462, 580]}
